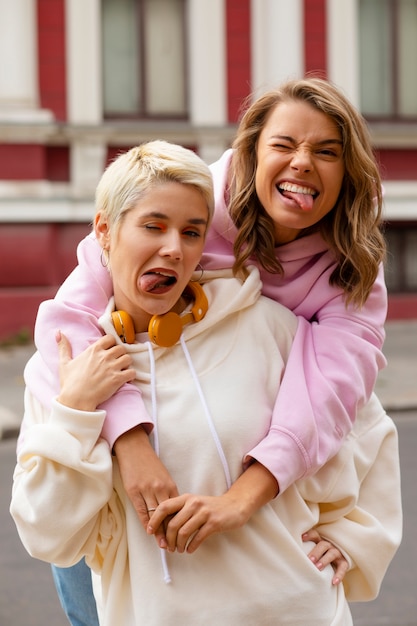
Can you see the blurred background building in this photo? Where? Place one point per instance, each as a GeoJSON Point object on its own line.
{"type": "Point", "coordinates": [81, 80]}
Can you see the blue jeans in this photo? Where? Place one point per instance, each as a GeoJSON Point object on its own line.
{"type": "Point", "coordinates": [75, 592]}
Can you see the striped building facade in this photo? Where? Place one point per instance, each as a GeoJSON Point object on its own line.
{"type": "Point", "coordinates": [81, 80]}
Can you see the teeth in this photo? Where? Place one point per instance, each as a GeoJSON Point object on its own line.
{"type": "Point", "coordinates": [296, 189]}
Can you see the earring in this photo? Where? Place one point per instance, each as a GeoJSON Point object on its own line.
{"type": "Point", "coordinates": [199, 268]}
{"type": "Point", "coordinates": [104, 258]}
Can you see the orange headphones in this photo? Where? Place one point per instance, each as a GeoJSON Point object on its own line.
{"type": "Point", "coordinates": [164, 330]}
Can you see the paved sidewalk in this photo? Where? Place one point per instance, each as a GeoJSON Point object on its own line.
{"type": "Point", "coordinates": [396, 386]}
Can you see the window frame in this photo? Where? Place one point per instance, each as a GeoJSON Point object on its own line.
{"type": "Point", "coordinates": [396, 116]}
{"type": "Point", "coordinates": [142, 113]}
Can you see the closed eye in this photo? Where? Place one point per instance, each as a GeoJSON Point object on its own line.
{"type": "Point", "coordinates": [156, 227]}
{"type": "Point", "coordinates": [282, 146]}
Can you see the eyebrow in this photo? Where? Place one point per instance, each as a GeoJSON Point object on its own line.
{"type": "Point", "coordinates": [164, 216]}
{"type": "Point", "coordinates": [323, 142]}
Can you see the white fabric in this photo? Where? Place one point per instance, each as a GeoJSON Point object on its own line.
{"type": "Point", "coordinates": [68, 499]}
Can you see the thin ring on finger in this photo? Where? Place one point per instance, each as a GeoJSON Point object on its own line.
{"type": "Point", "coordinates": [151, 509]}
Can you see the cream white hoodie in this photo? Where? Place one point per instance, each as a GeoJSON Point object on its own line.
{"type": "Point", "coordinates": [211, 398]}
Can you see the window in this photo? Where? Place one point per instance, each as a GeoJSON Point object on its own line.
{"type": "Point", "coordinates": [388, 53]}
{"type": "Point", "coordinates": [401, 266]}
{"type": "Point", "coordinates": [144, 58]}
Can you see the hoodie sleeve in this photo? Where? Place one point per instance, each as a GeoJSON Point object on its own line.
{"type": "Point", "coordinates": [330, 374]}
{"type": "Point", "coordinates": [361, 513]}
{"type": "Point", "coordinates": [75, 310]}
{"type": "Point", "coordinates": [62, 482]}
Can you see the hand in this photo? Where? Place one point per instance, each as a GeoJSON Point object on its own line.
{"type": "Point", "coordinates": [325, 553]}
{"type": "Point", "coordinates": [145, 478]}
{"type": "Point", "coordinates": [94, 375]}
{"type": "Point", "coordinates": [190, 519]}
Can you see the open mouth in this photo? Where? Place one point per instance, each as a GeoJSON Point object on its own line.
{"type": "Point", "coordinates": [303, 196]}
{"type": "Point", "coordinates": [156, 281]}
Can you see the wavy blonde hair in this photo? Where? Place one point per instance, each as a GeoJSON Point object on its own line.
{"type": "Point", "coordinates": [352, 229]}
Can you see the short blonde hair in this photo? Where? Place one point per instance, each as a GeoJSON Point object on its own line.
{"type": "Point", "coordinates": [132, 174]}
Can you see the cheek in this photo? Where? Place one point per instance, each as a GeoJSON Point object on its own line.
{"type": "Point", "coordinates": [334, 187]}
{"type": "Point", "coordinates": [122, 265]}
{"type": "Point", "coordinates": [197, 253]}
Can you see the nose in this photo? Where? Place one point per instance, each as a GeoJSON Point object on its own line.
{"type": "Point", "coordinates": [302, 161]}
{"type": "Point", "coordinates": [172, 245]}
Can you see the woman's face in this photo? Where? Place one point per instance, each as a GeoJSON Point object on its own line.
{"type": "Point", "coordinates": [300, 167]}
{"type": "Point", "coordinates": [154, 250]}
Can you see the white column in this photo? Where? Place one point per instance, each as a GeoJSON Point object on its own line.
{"type": "Point", "coordinates": [343, 46]}
{"type": "Point", "coordinates": [277, 42]}
{"type": "Point", "coordinates": [19, 99]}
{"type": "Point", "coordinates": [207, 62]}
{"type": "Point", "coordinates": [83, 33]}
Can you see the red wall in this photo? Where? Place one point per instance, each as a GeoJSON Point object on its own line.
{"type": "Point", "coordinates": [51, 51]}
{"type": "Point", "coordinates": [315, 47]}
{"type": "Point", "coordinates": [34, 261]}
{"type": "Point", "coordinates": [239, 82]}
{"type": "Point", "coordinates": [398, 164]}
{"type": "Point", "coordinates": [28, 162]}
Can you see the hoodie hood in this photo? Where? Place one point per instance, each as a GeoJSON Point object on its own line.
{"type": "Point", "coordinates": [229, 294]}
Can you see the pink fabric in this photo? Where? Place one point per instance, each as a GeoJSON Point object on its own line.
{"type": "Point", "coordinates": [333, 363]}
{"type": "Point", "coordinates": [336, 355]}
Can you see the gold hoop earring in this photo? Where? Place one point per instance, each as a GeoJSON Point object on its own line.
{"type": "Point", "coordinates": [104, 258]}
{"type": "Point", "coordinates": [199, 268]}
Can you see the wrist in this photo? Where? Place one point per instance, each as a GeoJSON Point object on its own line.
{"type": "Point", "coordinates": [254, 488]}
{"type": "Point", "coordinates": [132, 438]}
{"type": "Point", "coordinates": [76, 403]}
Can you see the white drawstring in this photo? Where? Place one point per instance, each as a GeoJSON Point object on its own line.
{"type": "Point", "coordinates": [167, 575]}
{"type": "Point", "coordinates": [208, 415]}
{"type": "Point", "coordinates": [220, 451]}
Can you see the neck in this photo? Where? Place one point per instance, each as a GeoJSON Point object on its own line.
{"type": "Point", "coordinates": [141, 320]}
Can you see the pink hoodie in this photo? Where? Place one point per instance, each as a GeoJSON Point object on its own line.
{"type": "Point", "coordinates": [331, 372]}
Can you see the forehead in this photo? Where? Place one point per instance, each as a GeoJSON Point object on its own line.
{"type": "Point", "coordinates": [172, 199]}
{"type": "Point", "coordinates": [300, 120]}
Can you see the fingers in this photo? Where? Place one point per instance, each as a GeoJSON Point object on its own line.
{"type": "Point", "coordinates": [170, 521]}
{"type": "Point", "coordinates": [146, 480]}
{"type": "Point", "coordinates": [341, 567]}
{"type": "Point", "coordinates": [64, 347]}
{"type": "Point", "coordinates": [190, 519]}
{"type": "Point", "coordinates": [160, 533]}
{"type": "Point", "coordinates": [94, 375]}
{"type": "Point", "coordinates": [325, 553]}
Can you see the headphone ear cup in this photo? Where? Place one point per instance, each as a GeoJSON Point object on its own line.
{"type": "Point", "coordinates": [165, 330]}
{"type": "Point", "coordinates": [123, 325]}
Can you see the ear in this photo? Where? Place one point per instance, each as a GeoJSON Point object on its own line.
{"type": "Point", "coordinates": [102, 230]}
